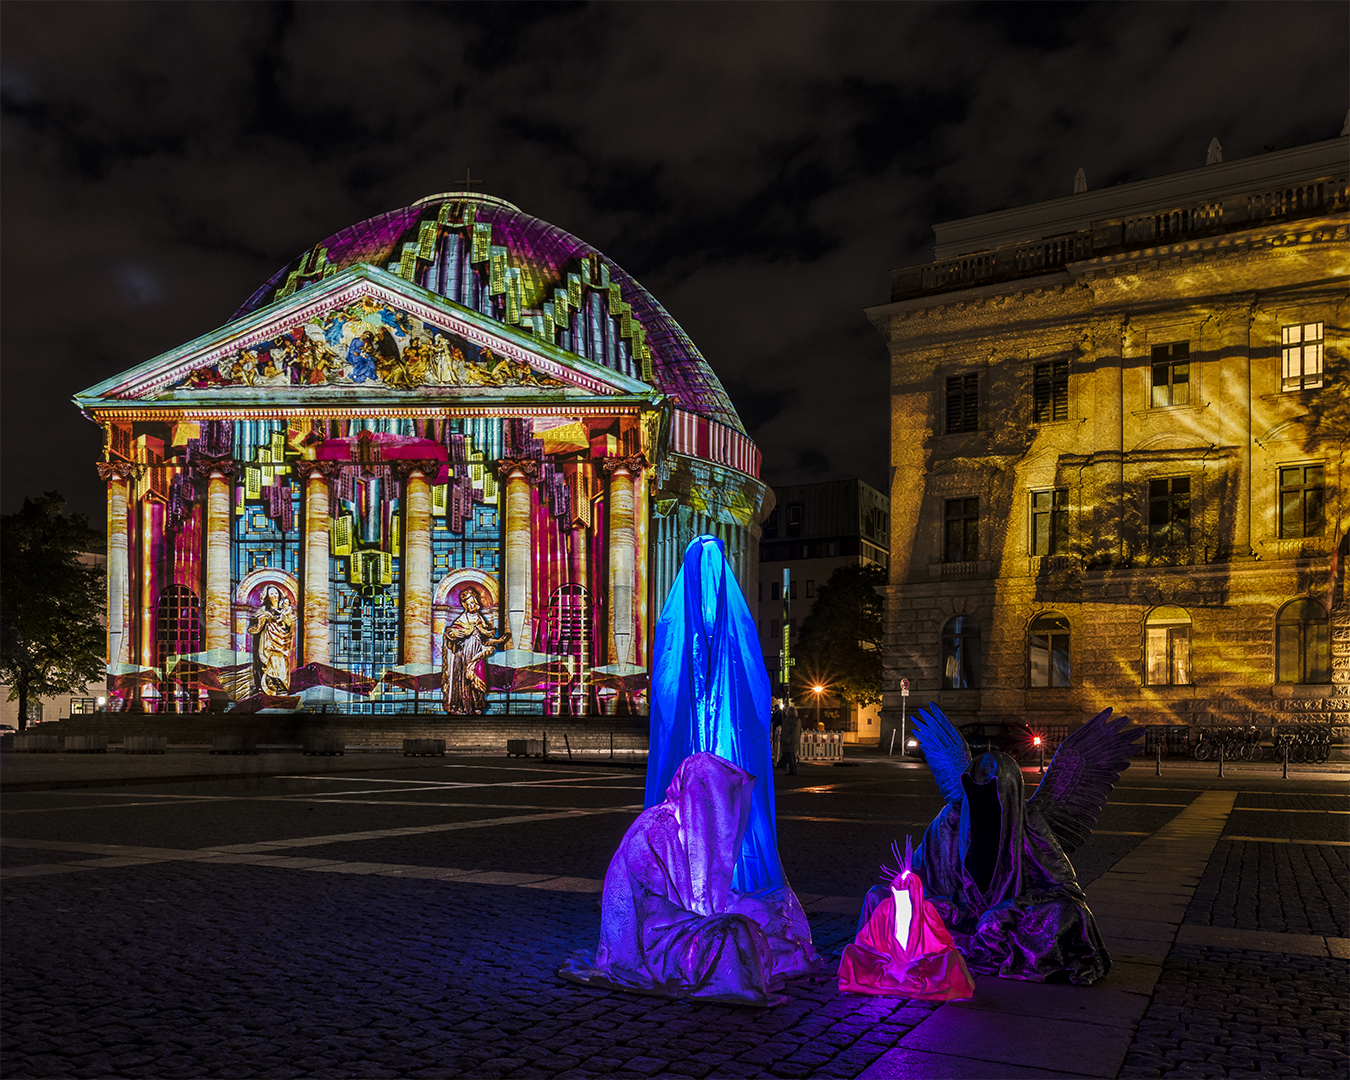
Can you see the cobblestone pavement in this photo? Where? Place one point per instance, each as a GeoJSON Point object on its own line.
{"type": "Point", "coordinates": [1285, 888]}
{"type": "Point", "coordinates": [409, 922]}
{"type": "Point", "coordinates": [1230, 1013]}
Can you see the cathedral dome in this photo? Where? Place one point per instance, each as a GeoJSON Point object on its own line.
{"type": "Point", "coordinates": [538, 258]}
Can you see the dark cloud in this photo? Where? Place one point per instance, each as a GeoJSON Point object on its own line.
{"type": "Point", "coordinates": [759, 167]}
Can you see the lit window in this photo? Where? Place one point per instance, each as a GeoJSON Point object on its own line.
{"type": "Point", "coordinates": [1171, 374]}
{"type": "Point", "coordinates": [1050, 392]}
{"type": "Point", "coordinates": [961, 530]}
{"type": "Point", "coordinates": [963, 403]}
{"type": "Point", "coordinates": [1167, 647]}
{"type": "Point", "coordinates": [1302, 499]}
{"type": "Point", "coordinates": [1169, 512]}
{"type": "Point", "coordinates": [961, 654]}
{"type": "Point", "coordinates": [1049, 521]}
{"type": "Point", "coordinates": [1302, 366]}
{"type": "Point", "coordinates": [1048, 650]}
{"type": "Point", "coordinates": [1303, 643]}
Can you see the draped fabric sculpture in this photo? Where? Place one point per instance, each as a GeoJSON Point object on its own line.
{"type": "Point", "coordinates": [671, 923]}
{"type": "Point", "coordinates": [902, 948]}
{"type": "Point", "coordinates": [997, 867]}
{"type": "Point", "coordinates": [736, 926]}
{"type": "Point", "coordinates": [710, 692]}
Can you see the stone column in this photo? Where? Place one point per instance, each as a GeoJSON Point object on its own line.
{"type": "Point", "coordinates": [578, 564]}
{"type": "Point", "coordinates": [620, 541]}
{"type": "Point", "coordinates": [315, 638]}
{"type": "Point", "coordinates": [216, 613]}
{"type": "Point", "coordinates": [517, 476]}
{"type": "Point", "coordinates": [117, 475]}
{"type": "Point", "coordinates": [152, 562]}
{"type": "Point", "coordinates": [416, 559]}
{"type": "Point", "coordinates": [641, 547]}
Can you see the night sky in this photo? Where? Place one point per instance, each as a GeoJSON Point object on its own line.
{"type": "Point", "coordinates": [759, 168]}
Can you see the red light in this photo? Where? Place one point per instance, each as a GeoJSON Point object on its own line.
{"type": "Point", "coordinates": [1036, 741]}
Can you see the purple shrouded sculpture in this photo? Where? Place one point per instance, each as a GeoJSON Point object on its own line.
{"type": "Point", "coordinates": [997, 868]}
{"type": "Point", "coordinates": [695, 901]}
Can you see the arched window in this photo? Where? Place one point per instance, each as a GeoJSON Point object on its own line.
{"type": "Point", "coordinates": [961, 654]}
{"type": "Point", "coordinates": [1048, 650]}
{"type": "Point", "coordinates": [1167, 647]}
{"type": "Point", "coordinates": [1303, 643]}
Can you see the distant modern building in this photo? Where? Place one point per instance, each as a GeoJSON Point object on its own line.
{"type": "Point", "coordinates": [1118, 442]}
{"type": "Point", "coordinates": [446, 460]}
{"type": "Point", "coordinates": [812, 531]}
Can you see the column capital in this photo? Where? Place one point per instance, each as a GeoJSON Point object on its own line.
{"type": "Point", "coordinates": [204, 467]}
{"type": "Point", "coordinates": [118, 470]}
{"type": "Point", "coordinates": [307, 468]}
{"type": "Point", "coordinates": [527, 467]}
{"type": "Point", "coordinates": [632, 463]}
{"type": "Point", "coordinates": [404, 467]}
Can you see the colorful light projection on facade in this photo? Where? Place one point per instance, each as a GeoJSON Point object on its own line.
{"type": "Point", "coordinates": [371, 496]}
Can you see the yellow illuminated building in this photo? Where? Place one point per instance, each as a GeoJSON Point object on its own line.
{"type": "Point", "coordinates": [1118, 432]}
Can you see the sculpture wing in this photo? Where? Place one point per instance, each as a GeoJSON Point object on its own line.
{"type": "Point", "coordinates": [947, 752]}
{"type": "Point", "coordinates": [1084, 770]}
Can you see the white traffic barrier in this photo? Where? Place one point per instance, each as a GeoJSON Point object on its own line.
{"type": "Point", "coordinates": [822, 746]}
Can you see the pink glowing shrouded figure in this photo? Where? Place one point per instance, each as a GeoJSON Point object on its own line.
{"type": "Point", "coordinates": [902, 948]}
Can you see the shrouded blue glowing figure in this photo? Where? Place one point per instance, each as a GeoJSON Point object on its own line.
{"type": "Point", "coordinates": [710, 693]}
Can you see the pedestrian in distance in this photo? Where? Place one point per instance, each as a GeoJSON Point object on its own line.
{"type": "Point", "coordinates": [776, 732]}
{"type": "Point", "coordinates": [792, 737]}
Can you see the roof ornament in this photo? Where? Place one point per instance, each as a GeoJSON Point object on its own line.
{"type": "Point", "coordinates": [1214, 155]}
{"type": "Point", "coordinates": [468, 182]}
{"type": "Point", "coordinates": [1079, 182]}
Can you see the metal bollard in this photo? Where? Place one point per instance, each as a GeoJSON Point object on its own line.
{"type": "Point", "coordinates": [568, 743]}
{"type": "Point", "coordinates": [1286, 760]}
{"type": "Point", "coordinates": [544, 754]}
{"type": "Point", "coordinates": [1041, 748]}
{"type": "Point", "coordinates": [1220, 761]}
{"type": "Point", "coordinates": [611, 746]}
{"type": "Point", "coordinates": [892, 749]}
{"type": "Point", "coordinates": [1157, 765]}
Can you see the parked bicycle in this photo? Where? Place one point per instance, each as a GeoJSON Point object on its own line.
{"type": "Point", "coordinates": [1235, 743]}
{"type": "Point", "coordinates": [1303, 744]}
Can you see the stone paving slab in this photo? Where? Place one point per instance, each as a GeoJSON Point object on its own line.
{"type": "Point", "coordinates": [1089, 1004]}
{"type": "Point", "coordinates": [1032, 1042]}
{"type": "Point", "coordinates": [910, 1064]}
{"type": "Point", "coordinates": [1258, 941]}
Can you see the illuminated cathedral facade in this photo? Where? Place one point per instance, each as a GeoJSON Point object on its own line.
{"type": "Point", "coordinates": [447, 460]}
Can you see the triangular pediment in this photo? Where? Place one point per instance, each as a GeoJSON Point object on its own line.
{"type": "Point", "coordinates": [366, 335]}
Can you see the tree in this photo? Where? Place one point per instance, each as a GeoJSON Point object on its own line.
{"type": "Point", "coordinates": [840, 642]}
{"type": "Point", "coordinates": [51, 636]}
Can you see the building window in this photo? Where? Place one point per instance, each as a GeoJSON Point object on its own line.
{"type": "Point", "coordinates": [963, 403]}
{"type": "Point", "coordinates": [1050, 393]}
{"type": "Point", "coordinates": [775, 591]}
{"type": "Point", "coordinates": [961, 654]}
{"type": "Point", "coordinates": [771, 525]}
{"type": "Point", "coordinates": [793, 588]}
{"type": "Point", "coordinates": [1050, 522]}
{"type": "Point", "coordinates": [810, 589]}
{"type": "Point", "coordinates": [1303, 643]}
{"type": "Point", "coordinates": [1167, 647]}
{"type": "Point", "coordinates": [1048, 650]}
{"type": "Point", "coordinates": [1171, 374]}
{"type": "Point", "coordinates": [761, 590]}
{"type": "Point", "coordinates": [794, 519]}
{"type": "Point", "coordinates": [1169, 512]}
{"type": "Point", "coordinates": [1302, 367]}
{"type": "Point", "coordinates": [1302, 498]}
{"type": "Point", "coordinates": [961, 530]}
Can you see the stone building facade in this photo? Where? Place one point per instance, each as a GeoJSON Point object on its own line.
{"type": "Point", "coordinates": [1118, 438]}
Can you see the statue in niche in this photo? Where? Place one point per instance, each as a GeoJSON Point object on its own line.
{"type": "Point", "coordinates": [467, 644]}
{"type": "Point", "coordinates": [273, 630]}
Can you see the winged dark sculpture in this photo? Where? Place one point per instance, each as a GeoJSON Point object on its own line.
{"type": "Point", "coordinates": [996, 866]}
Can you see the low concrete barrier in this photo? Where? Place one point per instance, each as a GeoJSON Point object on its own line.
{"type": "Point", "coordinates": [423, 747]}
{"type": "Point", "coordinates": [524, 748]}
{"type": "Point", "coordinates": [144, 744]}
{"type": "Point", "coordinates": [86, 744]}
{"type": "Point", "coordinates": [36, 744]}
{"type": "Point", "coordinates": [233, 744]}
{"type": "Point", "coordinates": [324, 745]}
